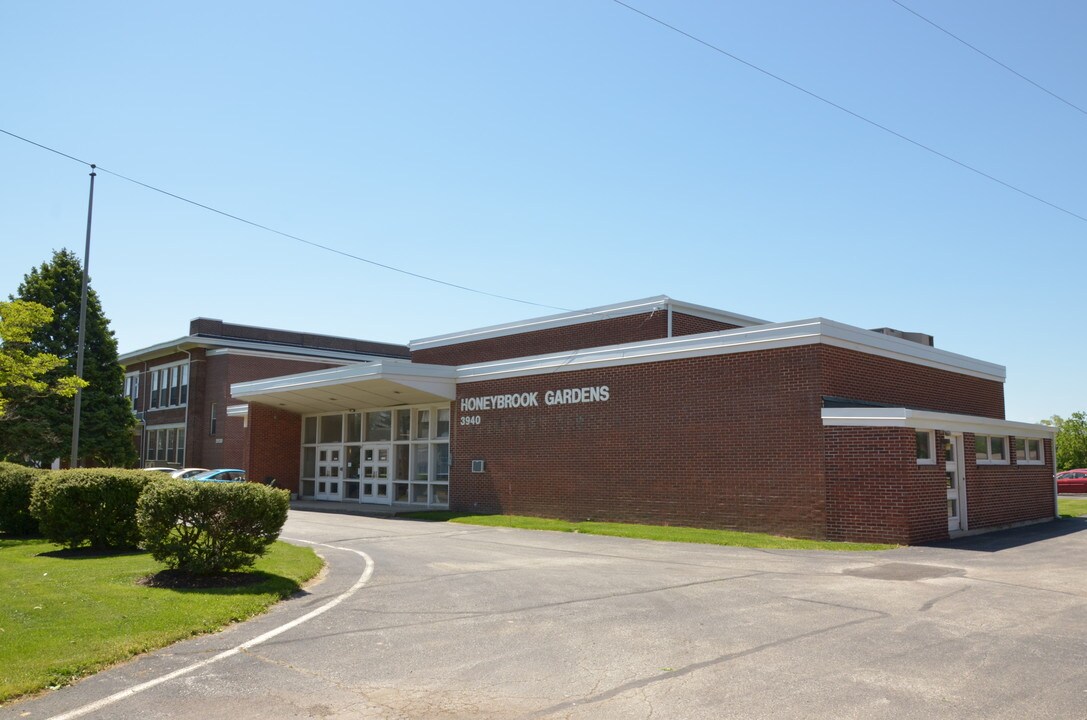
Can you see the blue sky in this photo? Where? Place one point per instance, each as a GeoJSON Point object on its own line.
{"type": "Point", "coordinates": [571, 154]}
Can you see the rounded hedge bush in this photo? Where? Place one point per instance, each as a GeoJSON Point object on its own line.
{"type": "Point", "coordinates": [95, 507]}
{"type": "Point", "coordinates": [205, 528]}
{"type": "Point", "coordinates": [16, 484]}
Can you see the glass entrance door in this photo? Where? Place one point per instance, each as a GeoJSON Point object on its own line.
{"type": "Point", "coordinates": [376, 473]}
{"type": "Point", "coordinates": [956, 506]}
{"type": "Point", "coordinates": [329, 472]}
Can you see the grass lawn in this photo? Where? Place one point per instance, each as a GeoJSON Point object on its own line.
{"type": "Point", "coordinates": [1072, 507]}
{"type": "Point", "coordinates": [63, 616]}
{"type": "Point", "coordinates": [645, 532]}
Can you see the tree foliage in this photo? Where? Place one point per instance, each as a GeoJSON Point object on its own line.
{"type": "Point", "coordinates": [25, 372]}
{"type": "Point", "coordinates": [1071, 440]}
{"type": "Point", "coordinates": [37, 428]}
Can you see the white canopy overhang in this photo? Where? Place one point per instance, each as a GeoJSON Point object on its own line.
{"type": "Point", "coordinates": [388, 383]}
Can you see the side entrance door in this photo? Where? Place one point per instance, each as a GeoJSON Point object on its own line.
{"type": "Point", "coordinates": [377, 473]}
{"type": "Point", "coordinates": [956, 485]}
{"type": "Point", "coordinates": [329, 472]}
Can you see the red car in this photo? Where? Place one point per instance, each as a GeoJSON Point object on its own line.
{"type": "Point", "coordinates": [1072, 481]}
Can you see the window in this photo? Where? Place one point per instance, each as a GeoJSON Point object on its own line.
{"type": "Point", "coordinates": [169, 386]}
{"type": "Point", "coordinates": [214, 421]}
{"type": "Point", "coordinates": [132, 389]}
{"type": "Point", "coordinates": [991, 449]}
{"type": "Point", "coordinates": [925, 445]}
{"type": "Point", "coordinates": [1028, 451]}
{"type": "Point", "coordinates": [164, 446]}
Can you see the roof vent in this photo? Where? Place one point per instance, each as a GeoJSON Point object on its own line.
{"type": "Point", "coordinates": [920, 338]}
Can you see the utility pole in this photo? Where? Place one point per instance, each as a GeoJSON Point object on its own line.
{"type": "Point", "coordinates": [74, 462]}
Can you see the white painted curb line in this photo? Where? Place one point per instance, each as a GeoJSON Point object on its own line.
{"type": "Point", "coordinates": [118, 696]}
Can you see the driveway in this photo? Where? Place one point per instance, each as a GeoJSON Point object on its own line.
{"type": "Point", "coordinates": [455, 621]}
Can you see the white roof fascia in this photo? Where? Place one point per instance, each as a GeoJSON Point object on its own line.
{"type": "Point", "coordinates": [191, 341]}
{"type": "Point", "coordinates": [762, 337]}
{"type": "Point", "coordinates": [632, 307]}
{"type": "Point", "coordinates": [439, 379]}
{"type": "Point", "coordinates": [931, 420]}
{"type": "Point", "coordinates": [288, 356]}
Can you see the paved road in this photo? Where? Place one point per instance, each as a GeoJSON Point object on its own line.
{"type": "Point", "coordinates": [467, 622]}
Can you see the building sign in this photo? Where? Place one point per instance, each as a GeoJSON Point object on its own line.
{"type": "Point", "coordinates": [566, 396]}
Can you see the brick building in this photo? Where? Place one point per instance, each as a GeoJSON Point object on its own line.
{"type": "Point", "coordinates": [180, 389]}
{"type": "Point", "coordinates": [659, 411]}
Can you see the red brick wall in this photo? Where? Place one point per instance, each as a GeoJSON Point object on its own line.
{"type": "Point", "coordinates": [876, 491]}
{"type": "Point", "coordinates": [999, 495]}
{"type": "Point", "coordinates": [683, 324]}
{"type": "Point", "coordinates": [613, 331]}
{"type": "Point", "coordinates": [272, 446]}
{"type": "Point", "coordinates": [221, 371]}
{"type": "Point", "coordinates": [859, 376]}
{"type": "Point", "coordinates": [731, 441]}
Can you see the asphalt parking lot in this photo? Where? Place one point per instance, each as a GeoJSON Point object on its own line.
{"type": "Point", "coordinates": [455, 621]}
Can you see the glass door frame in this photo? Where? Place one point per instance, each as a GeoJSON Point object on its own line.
{"type": "Point", "coordinates": [330, 458]}
{"type": "Point", "coordinates": [954, 467]}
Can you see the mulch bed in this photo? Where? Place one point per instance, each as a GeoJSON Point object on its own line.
{"type": "Point", "coordinates": [177, 579]}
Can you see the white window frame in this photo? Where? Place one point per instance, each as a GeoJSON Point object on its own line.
{"type": "Point", "coordinates": [989, 447]}
{"type": "Point", "coordinates": [164, 379]}
{"type": "Point", "coordinates": [132, 388]}
{"type": "Point", "coordinates": [162, 434]}
{"type": "Point", "coordinates": [931, 459]}
{"type": "Point", "coordinates": [1019, 459]}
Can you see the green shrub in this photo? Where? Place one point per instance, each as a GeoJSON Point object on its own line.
{"type": "Point", "coordinates": [206, 528]}
{"type": "Point", "coordinates": [93, 507]}
{"type": "Point", "coordinates": [16, 483]}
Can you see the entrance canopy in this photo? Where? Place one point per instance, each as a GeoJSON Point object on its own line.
{"type": "Point", "coordinates": [388, 383]}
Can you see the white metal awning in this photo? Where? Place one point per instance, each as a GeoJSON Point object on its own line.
{"type": "Point", "coordinates": [388, 383]}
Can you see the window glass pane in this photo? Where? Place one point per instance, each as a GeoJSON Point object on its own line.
{"type": "Point", "coordinates": [422, 425]}
{"type": "Point", "coordinates": [354, 427]}
{"type": "Point", "coordinates": [331, 428]}
{"type": "Point", "coordinates": [1021, 448]}
{"type": "Point", "coordinates": [149, 451]}
{"type": "Point", "coordinates": [309, 430]}
{"type": "Point", "coordinates": [351, 490]}
{"type": "Point", "coordinates": [981, 446]}
{"type": "Point", "coordinates": [309, 462]}
{"type": "Point", "coordinates": [184, 384]}
{"type": "Point", "coordinates": [379, 425]}
{"type": "Point", "coordinates": [154, 389]}
{"type": "Point", "coordinates": [441, 462]}
{"type": "Point", "coordinates": [1034, 450]}
{"type": "Point", "coordinates": [443, 424]}
{"type": "Point", "coordinates": [403, 424]}
{"type": "Point", "coordinates": [422, 464]}
{"type": "Point", "coordinates": [171, 444]}
{"type": "Point", "coordinates": [400, 492]}
{"type": "Point", "coordinates": [307, 488]}
{"type": "Point", "coordinates": [354, 457]}
{"type": "Point", "coordinates": [996, 448]}
{"type": "Point", "coordinates": [440, 494]}
{"type": "Point", "coordinates": [181, 446]}
{"type": "Point", "coordinates": [402, 466]}
{"type": "Point", "coordinates": [418, 493]}
{"type": "Point", "coordinates": [924, 445]}
{"type": "Point", "coordinates": [949, 448]}
{"type": "Point", "coordinates": [175, 386]}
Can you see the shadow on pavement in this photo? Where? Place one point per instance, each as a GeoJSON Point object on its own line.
{"type": "Point", "coordinates": [1016, 537]}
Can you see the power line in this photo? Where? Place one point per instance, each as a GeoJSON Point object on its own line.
{"type": "Point", "coordinates": [988, 56]}
{"type": "Point", "coordinates": [847, 111]}
{"type": "Point", "coordinates": [281, 233]}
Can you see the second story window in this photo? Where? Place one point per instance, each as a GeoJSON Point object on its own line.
{"type": "Point", "coordinates": [132, 389]}
{"type": "Point", "coordinates": [169, 386]}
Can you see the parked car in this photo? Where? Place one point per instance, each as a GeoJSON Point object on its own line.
{"type": "Point", "coordinates": [221, 475]}
{"type": "Point", "coordinates": [160, 469]}
{"type": "Point", "coordinates": [1072, 481]}
{"type": "Point", "coordinates": [185, 473]}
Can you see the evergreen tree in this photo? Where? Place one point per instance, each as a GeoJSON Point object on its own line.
{"type": "Point", "coordinates": [39, 429]}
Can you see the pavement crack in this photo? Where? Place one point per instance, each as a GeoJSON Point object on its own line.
{"type": "Point", "coordinates": [928, 606]}
{"type": "Point", "coordinates": [694, 667]}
